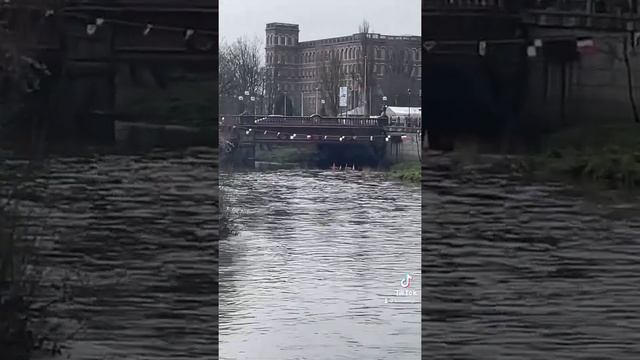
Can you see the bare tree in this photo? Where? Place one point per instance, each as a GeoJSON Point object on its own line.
{"type": "Point", "coordinates": [241, 68]}
{"type": "Point", "coordinates": [364, 75]}
{"type": "Point", "coordinates": [246, 62]}
{"type": "Point", "coordinates": [331, 73]}
{"type": "Point", "coordinates": [397, 77]}
{"type": "Point", "coordinates": [226, 74]}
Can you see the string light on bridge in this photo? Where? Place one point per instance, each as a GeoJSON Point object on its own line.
{"type": "Point", "coordinates": [91, 29]}
{"type": "Point", "coordinates": [533, 47]}
{"type": "Point", "coordinates": [280, 135]}
{"type": "Point", "coordinates": [147, 30]}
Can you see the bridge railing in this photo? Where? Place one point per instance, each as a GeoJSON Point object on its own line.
{"type": "Point", "coordinates": [463, 4]}
{"type": "Point", "coordinates": [319, 121]}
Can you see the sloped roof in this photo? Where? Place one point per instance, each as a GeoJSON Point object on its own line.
{"type": "Point", "coordinates": [403, 111]}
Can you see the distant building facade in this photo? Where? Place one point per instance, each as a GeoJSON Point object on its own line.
{"type": "Point", "coordinates": [295, 67]}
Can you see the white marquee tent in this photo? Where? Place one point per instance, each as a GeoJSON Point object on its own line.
{"type": "Point", "coordinates": [404, 112]}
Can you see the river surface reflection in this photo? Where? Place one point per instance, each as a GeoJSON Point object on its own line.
{"type": "Point", "coordinates": [517, 270]}
{"type": "Point", "coordinates": [135, 235]}
{"type": "Point", "coordinates": [315, 256]}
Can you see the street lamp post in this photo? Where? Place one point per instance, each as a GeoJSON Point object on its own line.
{"type": "Point", "coordinates": [365, 84]}
{"type": "Point", "coordinates": [349, 95]}
{"type": "Point", "coordinates": [384, 105]}
{"type": "Point", "coordinates": [409, 118]}
{"type": "Point", "coordinates": [317, 91]}
{"type": "Point", "coordinates": [285, 103]}
{"type": "Point", "coordinates": [240, 98]}
{"type": "Point", "coordinates": [246, 98]}
{"type": "Point", "coordinates": [253, 101]}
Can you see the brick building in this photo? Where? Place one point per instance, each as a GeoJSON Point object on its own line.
{"type": "Point", "coordinates": [294, 69]}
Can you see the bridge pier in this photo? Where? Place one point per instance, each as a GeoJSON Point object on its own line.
{"type": "Point", "coordinates": [399, 150]}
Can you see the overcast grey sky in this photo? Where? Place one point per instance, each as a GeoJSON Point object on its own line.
{"type": "Point", "coordinates": [319, 18]}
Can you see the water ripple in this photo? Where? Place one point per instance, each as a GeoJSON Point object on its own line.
{"type": "Point", "coordinates": [141, 231]}
{"type": "Point", "coordinates": [315, 256]}
{"type": "Point", "coordinates": [526, 271]}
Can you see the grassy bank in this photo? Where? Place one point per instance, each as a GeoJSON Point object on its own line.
{"type": "Point", "coordinates": [406, 171]}
{"type": "Point", "coordinates": [183, 102]}
{"type": "Point", "coordinates": [606, 153]}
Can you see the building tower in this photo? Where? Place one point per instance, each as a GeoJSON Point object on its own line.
{"type": "Point", "coordinates": [282, 63]}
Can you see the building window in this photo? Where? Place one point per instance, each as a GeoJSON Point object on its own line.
{"type": "Point", "coordinates": [378, 53]}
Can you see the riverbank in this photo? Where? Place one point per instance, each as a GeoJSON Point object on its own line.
{"type": "Point", "coordinates": [406, 171]}
{"type": "Point", "coordinates": [187, 102]}
{"type": "Point", "coordinates": [605, 155]}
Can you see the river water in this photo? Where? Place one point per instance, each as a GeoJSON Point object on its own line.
{"type": "Point", "coordinates": [135, 236]}
{"type": "Point", "coordinates": [518, 270]}
{"type": "Point", "coordinates": [512, 269]}
{"type": "Point", "coordinates": [315, 256]}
